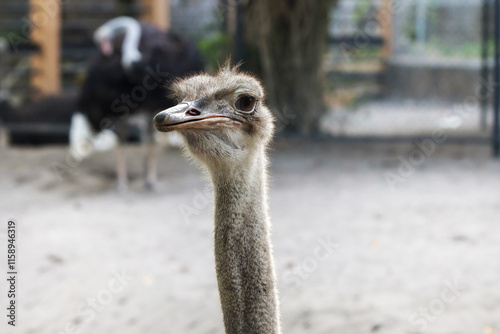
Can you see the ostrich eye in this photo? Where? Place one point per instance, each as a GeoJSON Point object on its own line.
{"type": "Point", "coordinates": [246, 103]}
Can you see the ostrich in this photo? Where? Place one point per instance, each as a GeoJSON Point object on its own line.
{"type": "Point", "coordinates": [226, 128]}
{"type": "Point", "coordinates": [136, 62]}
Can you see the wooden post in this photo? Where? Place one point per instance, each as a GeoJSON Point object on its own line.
{"type": "Point", "coordinates": [45, 18]}
{"type": "Point", "coordinates": [385, 22]}
{"type": "Point", "coordinates": [157, 12]}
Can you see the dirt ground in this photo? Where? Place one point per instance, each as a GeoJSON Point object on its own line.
{"type": "Point", "coordinates": [367, 237]}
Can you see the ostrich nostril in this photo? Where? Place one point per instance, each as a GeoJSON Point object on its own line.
{"type": "Point", "coordinates": [160, 118]}
{"type": "Point", "coordinates": [193, 112]}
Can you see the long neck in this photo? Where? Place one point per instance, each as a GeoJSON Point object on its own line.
{"type": "Point", "coordinates": [243, 252]}
{"type": "Point", "coordinates": [130, 47]}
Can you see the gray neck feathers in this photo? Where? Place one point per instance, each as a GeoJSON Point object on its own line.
{"type": "Point", "coordinates": [243, 252]}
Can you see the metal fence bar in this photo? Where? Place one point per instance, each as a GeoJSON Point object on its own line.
{"type": "Point", "coordinates": [239, 47]}
{"type": "Point", "coordinates": [421, 24]}
{"type": "Point", "coordinates": [496, 120]}
{"type": "Point", "coordinates": [485, 69]}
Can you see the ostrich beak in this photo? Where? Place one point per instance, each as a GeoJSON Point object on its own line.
{"type": "Point", "coordinates": [186, 116]}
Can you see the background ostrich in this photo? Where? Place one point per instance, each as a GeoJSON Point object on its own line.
{"type": "Point", "coordinates": [226, 128]}
{"type": "Point", "coordinates": [130, 74]}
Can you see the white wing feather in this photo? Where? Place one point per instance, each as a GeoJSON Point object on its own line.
{"type": "Point", "coordinates": [83, 142]}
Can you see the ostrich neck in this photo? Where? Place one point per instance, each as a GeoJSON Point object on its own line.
{"type": "Point", "coordinates": [130, 47]}
{"type": "Point", "coordinates": [243, 252]}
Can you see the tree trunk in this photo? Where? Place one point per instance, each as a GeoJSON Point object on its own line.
{"type": "Point", "coordinates": [290, 36]}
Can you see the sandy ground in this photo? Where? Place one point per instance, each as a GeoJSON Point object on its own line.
{"type": "Point", "coordinates": [354, 252]}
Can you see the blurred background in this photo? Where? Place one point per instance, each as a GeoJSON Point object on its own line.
{"type": "Point", "coordinates": [384, 163]}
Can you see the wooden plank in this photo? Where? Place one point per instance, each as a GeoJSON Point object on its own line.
{"type": "Point", "coordinates": [157, 12]}
{"type": "Point", "coordinates": [37, 128]}
{"type": "Point", "coordinates": [45, 17]}
{"type": "Point", "coordinates": [385, 14]}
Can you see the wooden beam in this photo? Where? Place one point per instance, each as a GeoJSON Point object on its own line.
{"type": "Point", "coordinates": [385, 22]}
{"type": "Point", "coordinates": [157, 12]}
{"type": "Point", "coordinates": [45, 18]}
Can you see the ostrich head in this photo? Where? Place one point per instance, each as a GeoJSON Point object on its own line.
{"type": "Point", "coordinates": [105, 34]}
{"type": "Point", "coordinates": [222, 118]}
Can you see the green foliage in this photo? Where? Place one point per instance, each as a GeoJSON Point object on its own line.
{"type": "Point", "coordinates": [433, 11]}
{"type": "Point", "coordinates": [465, 50]}
{"type": "Point", "coordinates": [369, 52]}
{"type": "Point", "coordinates": [362, 10]}
{"type": "Point", "coordinates": [215, 49]}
